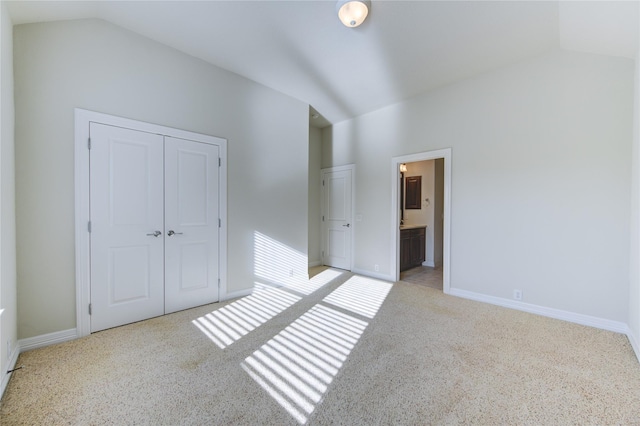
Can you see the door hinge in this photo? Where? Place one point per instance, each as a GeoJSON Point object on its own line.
{"type": "Point", "coordinates": [219, 223]}
{"type": "Point", "coordinates": [89, 226]}
{"type": "Point", "coordinates": [323, 218]}
{"type": "Point", "coordinates": [89, 143]}
{"type": "Point", "coordinates": [89, 308]}
{"type": "Point", "coordinates": [322, 182]}
{"type": "Point", "coordinates": [219, 162]}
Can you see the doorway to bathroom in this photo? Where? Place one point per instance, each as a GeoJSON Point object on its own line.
{"type": "Point", "coordinates": [421, 211]}
{"type": "Point", "coordinates": [421, 189]}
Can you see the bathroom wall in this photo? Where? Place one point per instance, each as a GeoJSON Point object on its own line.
{"type": "Point", "coordinates": [424, 215]}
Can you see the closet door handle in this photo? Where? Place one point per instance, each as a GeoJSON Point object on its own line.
{"type": "Point", "coordinates": [172, 232]}
{"type": "Point", "coordinates": [155, 234]}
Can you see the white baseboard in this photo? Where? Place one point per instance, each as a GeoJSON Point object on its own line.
{"type": "Point", "coordinates": [634, 343]}
{"type": "Point", "coordinates": [588, 320]}
{"type": "Point", "coordinates": [429, 263]}
{"type": "Point", "coordinates": [236, 294]}
{"type": "Point", "coordinates": [47, 339]}
{"type": "Point", "coordinates": [35, 342]}
{"type": "Point", "coordinates": [315, 263]}
{"type": "Point", "coordinates": [13, 359]}
{"type": "Point", "coordinates": [370, 274]}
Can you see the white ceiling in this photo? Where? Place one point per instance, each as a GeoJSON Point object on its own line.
{"type": "Point", "coordinates": [404, 48]}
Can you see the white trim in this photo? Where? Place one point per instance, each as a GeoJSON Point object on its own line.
{"type": "Point", "coordinates": [24, 345]}
{"type": "Point", "coordinates": [13, 359]}
{"type": "Point", "coordinates": [634, 342]}
{"type": "Point", "coordinates": [82, 120]}
{"type": "Point", "coordinates": [352, 168]}
{"type": "Point", "coordinates": [81, 159]}
{"type": "Point", "coordinates": [588, 320]}
{"type": "Point", "coordinates": [47, 339]}
{"type": "Point", "coordinates": [237, 294]}
{"type": "Point", "coordinates": [377, 275]}
{"type": "Point", "coordinates": [395, 207]}
{"type": "Point", "coordinates": [222, 200]}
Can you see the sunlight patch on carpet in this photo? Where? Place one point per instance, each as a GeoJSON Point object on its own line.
{"type": "Point", "coordinates": [297, 365]}
{"type": "Point", "coordinates": [231, 322]}
{"type": "Point", "coordinates": [360, 295]}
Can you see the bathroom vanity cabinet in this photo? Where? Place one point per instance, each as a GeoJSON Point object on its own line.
{"type": "Point", "coordinates": [412, 246]}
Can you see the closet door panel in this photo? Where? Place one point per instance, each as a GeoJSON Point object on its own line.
{"type": "Point", "coordinates": [126, 205]}
{"type": "Point", "coordinates": [191, 224]}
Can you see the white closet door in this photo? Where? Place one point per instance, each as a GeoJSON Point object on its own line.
{"type": "Point", "coordinates": [126, 205]}
{"type": "Point", "coordinates": [191, 224]}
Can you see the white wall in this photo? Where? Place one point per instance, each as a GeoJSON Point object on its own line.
{"type": "Point", "coordinates": [315, 158]}
{"type": "Point", "coordinates": [8, 304]}
{"type": "Point", "coordinates": [540, 179]}
{"type": "Point", "coordinates": [634, 270]}
{"type": "Point", "coordinates": [97, 66]}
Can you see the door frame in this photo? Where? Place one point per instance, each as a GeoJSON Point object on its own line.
{"type": "Point", "coordinates": [395, 211]}
{"type": "Point", "coordinates": [352, 168]}
{"type": "Point", "coordinates": [81, 164]}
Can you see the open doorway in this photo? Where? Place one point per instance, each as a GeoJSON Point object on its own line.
{"type": "Point", "coordinates": [421, 187]}
{"type": "Point", "coordinates": [421, 212]}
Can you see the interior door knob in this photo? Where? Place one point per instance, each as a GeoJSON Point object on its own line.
{"type": "Point", "coordinates": [347, 225]}
{"type": "Point", "coordinates": [172, 232]}
{"type": "Point", "coordinates": [155, 234]}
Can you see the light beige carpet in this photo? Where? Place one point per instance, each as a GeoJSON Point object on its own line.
{"type": "Point", "coordinates": [332, 357]}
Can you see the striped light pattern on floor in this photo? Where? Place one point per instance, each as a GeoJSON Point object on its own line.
{"type": "Point", "coordinates": [297, 366]}
{"type": "Point", "coordinates": [231, 322]}
{"type": "Point", "coordinates": [360, 295]}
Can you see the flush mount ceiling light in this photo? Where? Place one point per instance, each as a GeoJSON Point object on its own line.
{"type": "Point", "coordinates": [353, 12]}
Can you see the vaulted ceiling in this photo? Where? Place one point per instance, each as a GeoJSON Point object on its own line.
{"type": "Point", "coordinates": [404, 48]}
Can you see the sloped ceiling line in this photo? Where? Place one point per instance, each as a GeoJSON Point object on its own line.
{"type": "Point", "coordinates": [405, 47]}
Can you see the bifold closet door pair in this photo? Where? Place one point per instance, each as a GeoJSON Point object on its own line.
{"type": "Point", "coordinates": [154, 226]}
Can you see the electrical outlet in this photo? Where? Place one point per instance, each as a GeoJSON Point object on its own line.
{"type": "Point", "coordinates": [376, 268]}
{"type": "Point", "coordinates": [517, 294]}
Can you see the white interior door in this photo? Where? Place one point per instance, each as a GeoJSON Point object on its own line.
{"type": "Point", "coordinates": [191, 224]}
{"type": "Point", "coordinates": [337, 218]}
{"type": "Point", "coordinates": [126, 210]}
